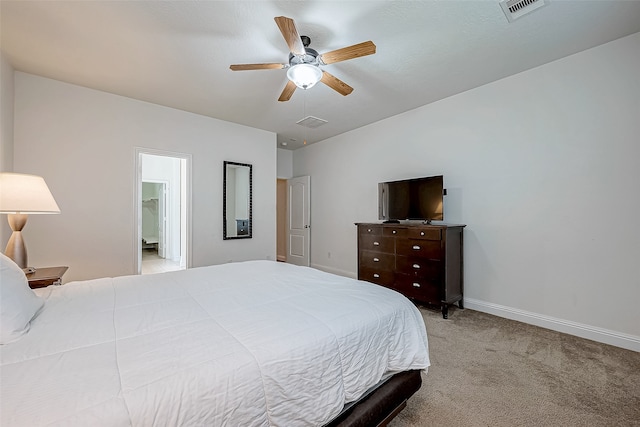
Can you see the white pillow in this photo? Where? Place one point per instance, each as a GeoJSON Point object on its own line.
{"type": "Point", "coordinates": [18, 303]}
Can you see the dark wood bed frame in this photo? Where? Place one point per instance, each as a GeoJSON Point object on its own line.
{"type": "Point", "coordinates": [382, 403]}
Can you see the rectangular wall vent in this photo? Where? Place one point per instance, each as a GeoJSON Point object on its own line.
{"type": "Point", "coordinates": [514, 9]}
{"type": "Point", "coordinates": [311, 122]}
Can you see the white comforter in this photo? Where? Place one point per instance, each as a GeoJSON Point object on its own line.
{"type": "Point", "coordinates": [256, 343]}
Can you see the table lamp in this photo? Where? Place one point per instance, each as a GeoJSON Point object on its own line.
{"type": "Point", "coordinates": [20, 195]}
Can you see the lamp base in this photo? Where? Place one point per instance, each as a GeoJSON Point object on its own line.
{"type": "Point", "coordinates": [16, 249]}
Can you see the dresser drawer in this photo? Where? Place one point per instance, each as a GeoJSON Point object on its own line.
{"type": "Point", "coordinates": [377, 261]}
{"type": "Point", "coordinates": [394, 231]}
{"type": "Point", "coordinates": [377, 243]}
{"type": "Point", "coordinates": [429, 249]}
{"type": "Point", "coordinates": [418, 288]}
{"type": "Point", "coordinates": [375, 230]}
{"type": "Point", "coordinates": [425, 233]}
{"type": "Point", "coordinates": [380, 277]}
{"type": "Point", "coordinates": [419, 267]}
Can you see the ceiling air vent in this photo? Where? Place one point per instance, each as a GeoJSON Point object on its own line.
{"type": "Point", "coordinates": [514, 9]}
{"type": "Point", "coordinates": [311, 122]}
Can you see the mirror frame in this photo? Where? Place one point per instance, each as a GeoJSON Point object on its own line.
{"type": "Point", "coordinates": [224, 201]}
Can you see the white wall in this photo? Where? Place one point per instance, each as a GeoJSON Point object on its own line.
{"type": "Point", "coordinates": [83, 143]}
{"type": "Point", "coordinates": [6, 133]}
{"type": "Point", "coordinates": [285, 163]}
{"type": "Point", "coordinates": [6, 115]}
{"type": "Point", "coordinates": [543, 167]}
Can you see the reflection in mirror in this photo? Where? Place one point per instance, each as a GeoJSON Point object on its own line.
{"type": "Point", "coordinates": [237, 202]}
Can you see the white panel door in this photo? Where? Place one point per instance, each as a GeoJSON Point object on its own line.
{"type": "Point", "coordinates": [298, 215]}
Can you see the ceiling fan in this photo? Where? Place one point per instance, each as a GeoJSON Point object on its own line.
{"type": "Point", "coordinates": [303, 69]}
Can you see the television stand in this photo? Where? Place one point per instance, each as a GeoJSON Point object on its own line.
{"type": "Point", "coordinates": [391, 221]}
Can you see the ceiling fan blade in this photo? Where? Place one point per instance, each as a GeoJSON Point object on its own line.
{"type": "Point", "coordinates": [288, 91]}
{"type": "Point", "coordinates": [244, 67]}
{"type": "Point", "coordinates": [336, 84]}
{"type": "Point", "coordinates": [350, 52]}
{"type": "Point", "coordinates": [290, 34]}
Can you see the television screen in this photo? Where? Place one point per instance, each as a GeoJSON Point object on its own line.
{"type": "Point", "coordinates": [417, 199]}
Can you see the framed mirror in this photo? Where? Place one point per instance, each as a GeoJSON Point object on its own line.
{"type": "Point", "coordinates": [237, 199]}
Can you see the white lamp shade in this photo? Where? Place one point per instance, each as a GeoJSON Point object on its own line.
{"type": "Point", "coordinates": [305, 76]}
{"type": "Point", "coordinates": [28, 194]}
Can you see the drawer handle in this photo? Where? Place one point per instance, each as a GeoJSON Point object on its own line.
{"type": "Point", "coordinates": [376, 275]}
{"type": "Point", "coordinates": [376, 260]}
{"type": "Point", "coordinates": [394, 232]}
{"type": "Point", "coordinates": [416, 247]}
{"type": "Point", "coordinates": [416, 285]}
{"type": "Point", "coordinates": [422, 233]}
{"type": "Point", "coordinates": [368, 230]}
{"type": "Point", "coordinates": [376, 243]}
{"type": "Point", "coordinates": [416, 266]}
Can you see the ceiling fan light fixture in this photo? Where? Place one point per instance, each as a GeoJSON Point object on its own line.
{"type": "Point", "coordinates": [305, 76]}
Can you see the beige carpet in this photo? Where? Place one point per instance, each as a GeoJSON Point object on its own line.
{"type": "Point", "coordinates": [490, 371]}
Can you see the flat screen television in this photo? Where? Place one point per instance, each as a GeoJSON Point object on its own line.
{"type": "Point", "coordinates": [411, 199]}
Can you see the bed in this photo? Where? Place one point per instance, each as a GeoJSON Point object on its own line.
{"type": "Point", "coordinates": [256, 343]}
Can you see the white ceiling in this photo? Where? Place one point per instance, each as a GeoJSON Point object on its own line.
{"type": "Point", "coordinates": [177, 53]}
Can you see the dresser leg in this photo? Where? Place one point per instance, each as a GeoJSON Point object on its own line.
{"type": "Point", "coordinates": [460, 304]}
{"type": "Point", "coordinates": [445, 311]}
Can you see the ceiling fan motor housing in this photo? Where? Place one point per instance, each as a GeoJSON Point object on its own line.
{"type": "Point", "coordinates": [310, 57]}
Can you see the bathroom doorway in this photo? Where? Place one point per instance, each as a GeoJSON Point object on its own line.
{"type": "Point", "coordinates": [163, 211]}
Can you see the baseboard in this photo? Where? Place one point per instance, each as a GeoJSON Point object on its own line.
{"type": "Point", "coordinates": [334, 271]}
{"type": "Point", "coordinates": [630, 342]}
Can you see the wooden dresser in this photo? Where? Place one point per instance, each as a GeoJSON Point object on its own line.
{"type": "Point", "coordinates": [423, 262]}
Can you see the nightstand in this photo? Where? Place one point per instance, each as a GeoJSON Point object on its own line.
{"type": "Point", "coordinates": [46, 276]}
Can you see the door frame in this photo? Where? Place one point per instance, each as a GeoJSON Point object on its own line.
{"type": "Point", "coordinates": [281, 219]}
{"type": "Point", "coordinates": [137, 203]}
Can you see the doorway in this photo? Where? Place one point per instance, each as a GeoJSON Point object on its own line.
{"type": "Point", "coordinates": [281, 220]}
{"type": "Point", "coordinates": [154, 221]}
{"type": "Point", "coordinates": [162, 211]}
